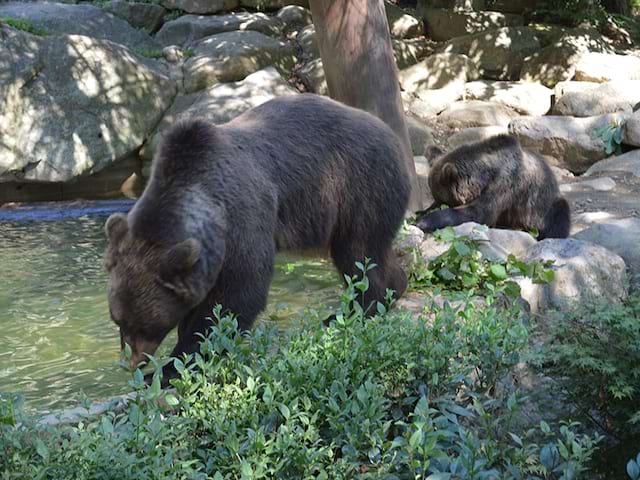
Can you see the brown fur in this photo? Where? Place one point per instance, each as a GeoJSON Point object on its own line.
{"type": "Point", "coordinates": [295, 173]}
{"type": "Point", "coordinates": [497, 183]}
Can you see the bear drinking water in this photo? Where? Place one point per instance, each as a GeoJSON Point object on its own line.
{"type": "Point", "coordinates": [293, 173]}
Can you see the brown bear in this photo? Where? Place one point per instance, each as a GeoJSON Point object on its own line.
{"type": "Point", "coordinates": [296, 172]}
{"type": "Point", "coordinates": [497, 183]}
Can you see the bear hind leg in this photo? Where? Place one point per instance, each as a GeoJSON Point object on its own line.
{"type": "Point", "coordinates": [387, 274]}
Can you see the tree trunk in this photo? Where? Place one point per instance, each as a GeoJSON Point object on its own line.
{"type": "Point", "coordinates": [617, 6]}
{"type": "Point", "coordinates": [356, 51]}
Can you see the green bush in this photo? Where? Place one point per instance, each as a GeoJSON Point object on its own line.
{"type": "Point", "coordinates": [462, 268]}
{"type": "Point", "coordinates": [388, 397]}
{"type": "Point", "coordinates": [595, 354]}
{"type": "Point", "coordinates": [25, 26]}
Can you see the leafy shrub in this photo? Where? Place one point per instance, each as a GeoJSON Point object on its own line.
{"type": "Point", "coordinates": [463, 268]}
{"type": "Point", "coordinates": [570, 12]}
{"type": "Point", "coordinates": [388, 397]}
{"type": "Point", "coordinates": [611, 135]}
{"type": "Point", "coordinates": [595, 355]}
{"type": "Point", "coordinates": [23, 25]}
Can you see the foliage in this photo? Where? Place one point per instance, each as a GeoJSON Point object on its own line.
{"type": "Point", "coordinates": [611, 135]}
{"type": "Point", "coordinates": [25, 26]}
{"type": "Point", "coordinates": [153, 53]}
{"type": "Point", "coordinates": [385, 397]}
{"type": "Point", "coordinates": [188, 52]}
{"type": "Point", "coordinates": [463, 268]}
{"type": "Point", "coordinates": [595, 354]}
{"type": "Point", "coordinates": [570, 12]}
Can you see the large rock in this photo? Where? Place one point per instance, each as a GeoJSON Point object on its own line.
{"type": "Point", "coordinates": [597, 99]}
{"type": "Point", "coordinates": [308, 42]}
{"type": "Point", "coordinates": [429, 103]}
{"type": "Point", "coordinates": [620, 236]}
{"type": "Point", "coordinates": [189, 28]}
{"type": "Point", "coordinates": [524, 98]}
{"type": "Point", "coordinates": [147, 16]}
{"type": "Point", "coordinates": [72, 105]}
{"type": "Point", "coordinates": [627, 162]}
{"type": "Point", "coordinates": [557, 62]}
{"type": "Point", "coordinates": [407, 53]}
{"type": "Point", "coordinates": [294, 17]}
{"type": "Point", "coordinates": [423, 5]}
{"type": "Point", "coordinates": [222, 102]}
{"type": "Point", "coordinates": [495, 244]}
{"type": "Point", "coordinates": [401, 24]}
{"type": "Point", "coordinates": [313, 78]}
{"type": "Point", "coordinates": [442, 24]}
{"type": "Point", "coordinates": [231, 56]}
{"type": "Point", "coordinates": [270, 5]}
{"type": "Point", "coordinates": [604, 67]}
{"type": "Point", "coordinates": [437, 71]}
{"type": "Point", "coordinates": [584, 273]}
{"type": "Point", "coordinates": [201, 6]}
{"type": "Point", "coordinates": [474, 135]}
{"type": "Point", "coordinates": [410, 52]}
{"type": "Point", "coordinates": [498, 53]}
{"type": "Point", "coordinates": [79, 20]}
{"type": "Point", "coordinates": [572, 141]}
{"type": "Point", "coordinates": [476, 113]}
{"type": "Point", "coordinates": [514, 6]}
{"type": "Point", "coordinates": [420, 136]}
{"type": "Point", "coordinates": [632, 130]}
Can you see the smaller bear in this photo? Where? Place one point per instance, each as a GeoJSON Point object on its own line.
{"type": "Point", "coordinates": [497, 183]}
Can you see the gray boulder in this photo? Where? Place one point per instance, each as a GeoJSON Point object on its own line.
{"type": "Point", "coordinates": [60, 18]}
{"type": "Point", "coordinates": [573, 142]}
{"type": "Point", "coordinates": [73, 105]}
{"type": "Point", "coordinates": [295, 17]}
{"type": "Point", "coordinates": [596, 98]}
{"type": "Point", "coordinates": [476, 113]}
{"type": "Point", "coordinates": [524, 98]}
{"type": "Point", "coordinates": [605, 67]}
{"type": "Point", "coordinates": [584, 272]}
{"type": "Point", "coordinates": [475, 134]}
{"type": "Point", "coordinates": [498, 53]}
{"type": "Point", "coordinates": [201, 6]}
{"type": "Point", "coordinates": [187, 29]}
{"type": "Point", "coordinates": [222, 102]}
{"type": "Point", "coordinates": [313, 78]}
{"type": "Point", "coordinates": [401, 24]}
{"type": "Point", "coordinates": [442, 24]}
{"type": "Point", "coordinates": [420, 136]}
{"type": "Point", "coordinates": [437, 71]}
{"type": "Point", "coordinates": [146, 16]}
{"type": "Point", "coordinates": [557, 62]}
{"type": "Point", "coordinates": [618, 235]}
{"type": "Point", "coordinates": [632, 130]}
{"type": "Point", "coordinates": [271, 5]}
{"type": "Point", "coordinates": [627, 162]}
{"type": "Point", "coordinates": [429, 103]}
{"type": "Point", "coordinates": [231, 56]}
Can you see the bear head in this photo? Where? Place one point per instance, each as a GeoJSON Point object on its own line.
{"type": "Point", "coordinates": [150, 286]}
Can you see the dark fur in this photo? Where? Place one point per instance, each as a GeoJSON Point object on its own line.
{"type": "Point", "coordinates": [294, 173]}
{"type": "Point", "coordinates": [497, 183]}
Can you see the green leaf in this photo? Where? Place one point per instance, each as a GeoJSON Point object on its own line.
{"type": "Point", "coordinates": [42, 450]}
{"type": "Point", "coordinates": [171, 400]}
{"type": "Point", "coordinates": [633, 470]}
{"type": "Point", "coordinates": [498, 271]}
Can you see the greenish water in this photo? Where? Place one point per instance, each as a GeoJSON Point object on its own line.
{"type": "Point", "coordinates": [55, 335]}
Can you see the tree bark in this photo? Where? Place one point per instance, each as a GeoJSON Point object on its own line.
{"type": "Point", "coordinates": [617, 6]}
{"type": "Point", "coordinates": [360, 68]}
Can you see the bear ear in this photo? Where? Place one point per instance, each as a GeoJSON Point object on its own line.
{"type": "Point", "coordinates": [116, 227]}
{"type": "Point", "coordinates": [180, 258]}
{"type": "Point", "coordinates": [448, 173]}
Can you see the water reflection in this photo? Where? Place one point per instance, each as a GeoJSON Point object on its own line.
{"type": "Point", "coordinates": [55, 337]}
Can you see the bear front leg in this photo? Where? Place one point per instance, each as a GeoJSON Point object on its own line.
{"type": "Point", "coordinates": [451, 217]}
